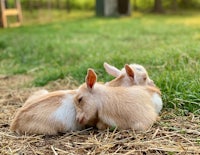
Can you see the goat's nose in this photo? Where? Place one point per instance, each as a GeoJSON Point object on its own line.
{"type": "Point", "coordinates": [77, 119]}
{"type": "Point", "coordinates": [80, 118]}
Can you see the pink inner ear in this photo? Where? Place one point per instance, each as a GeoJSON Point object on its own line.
{"type": "Point", "coordinates": [90, 85]}
{"type": "Point", "coordinates": [129, 71]}
{"type": "Point", "coordinates": [91, 78]}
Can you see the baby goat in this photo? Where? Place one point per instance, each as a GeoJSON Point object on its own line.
{"type": "Point", "coordinates": [47, 113]}
{"type": "Point", "coordinates": [130, 75]}
{"type": "Point", "coordinates": [122, 107]}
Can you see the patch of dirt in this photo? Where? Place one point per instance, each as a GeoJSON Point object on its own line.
{"type": "Point", "coordinates": [173, 134]}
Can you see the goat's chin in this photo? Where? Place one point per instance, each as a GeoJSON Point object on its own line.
{"type": "Point", "coordinates": [152, 84]}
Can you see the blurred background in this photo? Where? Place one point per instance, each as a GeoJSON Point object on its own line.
{"type": "Point", "coordinates": [51, 10]}
{"type": "Point", "coordinates": [63, 38]}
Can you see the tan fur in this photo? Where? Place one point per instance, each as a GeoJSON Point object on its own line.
{"type": "Point", "coordinates": [122, 80]}
{"type": "Point", "coordinates": [34, 116]}
{"type": "Point", "coordinates": [153, 90]}
{"type": "Point", "coordinates": [124, 107]}
{"type": "Point", "coordinates": [132, 74]}
{"type": "Point", "coordinates": [35, 95]}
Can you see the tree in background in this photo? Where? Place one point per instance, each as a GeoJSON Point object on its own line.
{"type": "Point", "coordinates": [174, 5]}
{"type": "Point", "coordinates": [158, 8]}
{"type": "Point", "coordinates": [135, 5]}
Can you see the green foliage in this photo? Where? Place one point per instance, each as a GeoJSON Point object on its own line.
{"type": "Point", "coordinates": [61, 4]}
{"type": "Point", "coordinates": [146, 5]}
{"type": "Point", "coordinates": [169, 4]}
{"type": "Point", "coordinates": [83, 4]}
{"type": "Point", "coordinates": [168, 46]}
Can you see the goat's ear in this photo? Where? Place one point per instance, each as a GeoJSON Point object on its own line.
{"type": "Point", "coordinates": [112, 70]}
{"type": "Point", "coordinates": [90, 78]}
{"type": "Point", "coordinates": [129, 71]}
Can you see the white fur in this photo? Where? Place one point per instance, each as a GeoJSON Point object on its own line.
{"type": "Point", "coordinates": [157, 101]}
{"type": "Point", "coordinates": [66, 113]}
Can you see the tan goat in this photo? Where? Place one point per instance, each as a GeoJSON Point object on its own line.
{"type": "Point", "coordinates": [130, 75]}
{"type": "Point", "coordinates": [122, 107]}
{"type": "Point", "coordinates": [47, 113]}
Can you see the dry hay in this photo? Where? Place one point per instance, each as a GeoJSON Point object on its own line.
{"type": "Point", "coordinates": [171, 135]}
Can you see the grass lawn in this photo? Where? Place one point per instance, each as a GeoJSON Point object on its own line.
{"type": "Point", "coordinates": [60, 45]}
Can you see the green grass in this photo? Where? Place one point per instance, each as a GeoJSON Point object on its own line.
{"type": "Point", "coordinates": [168, 46]}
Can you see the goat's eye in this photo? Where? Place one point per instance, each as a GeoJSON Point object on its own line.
{"type": "Point", "coordinates": [80, 99]}
{"type": "Point", "coordinates": [145, 78]}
